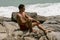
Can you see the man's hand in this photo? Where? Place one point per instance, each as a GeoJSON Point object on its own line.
{"type": "Point", "coordinates": [38, 22]}
{"type": "Point", "coordinates": [46, 31]}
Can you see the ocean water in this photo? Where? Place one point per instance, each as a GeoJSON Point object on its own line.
{"type": "Point", "coordinates": [44, 9]}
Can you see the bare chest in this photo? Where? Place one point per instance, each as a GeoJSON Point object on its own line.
{"type": "Point", "coordinates": [22, 18]}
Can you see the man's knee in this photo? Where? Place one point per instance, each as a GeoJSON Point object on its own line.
{"type": "Point", "coordinates": [34, 24]}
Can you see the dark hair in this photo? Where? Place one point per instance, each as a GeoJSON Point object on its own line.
{"type": "Point", "coordinates": [21, 6]}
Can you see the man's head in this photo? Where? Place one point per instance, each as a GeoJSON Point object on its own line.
{"type": "Point", "coordinates": [21, 7]}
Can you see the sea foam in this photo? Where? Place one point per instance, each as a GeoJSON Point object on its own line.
{"type": "Point", "coordinates": [47, 9]}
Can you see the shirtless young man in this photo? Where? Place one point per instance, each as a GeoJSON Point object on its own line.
{"type": "Point", "coordinates": [26, 22]}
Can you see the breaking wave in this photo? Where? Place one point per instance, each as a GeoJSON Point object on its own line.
{"type": "Point", "coordinates": [47, 9]}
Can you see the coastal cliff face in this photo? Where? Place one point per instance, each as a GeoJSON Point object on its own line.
{"type": "Point", "coordinates": [9, 29]}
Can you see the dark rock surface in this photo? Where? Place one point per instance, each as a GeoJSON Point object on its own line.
{"type": "Point", "coordinates": [31, 14]}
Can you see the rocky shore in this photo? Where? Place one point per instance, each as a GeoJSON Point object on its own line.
{"type": "Point", "coordinates": [9, 29]}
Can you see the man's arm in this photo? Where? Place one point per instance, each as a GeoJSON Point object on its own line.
{"type": "Point", "coordinates": [28, 16]}
{"type": "Point", "coordinates": [17, 18]}
{"type": "Point", "coordinates": [31, 18]}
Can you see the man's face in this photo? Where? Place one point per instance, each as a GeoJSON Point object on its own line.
{"type": "Point", "coordinates": [22, 9]}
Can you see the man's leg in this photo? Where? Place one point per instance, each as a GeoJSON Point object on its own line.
{"type": "Point", "coordinates": [40, 26]}
{"type": "Point", "coordinates": [29, 25]}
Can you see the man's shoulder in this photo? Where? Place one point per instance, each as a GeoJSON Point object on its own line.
{"type": "Point", "coordinates": [18, 15]}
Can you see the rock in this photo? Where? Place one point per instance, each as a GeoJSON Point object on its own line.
{"type": "Point", "coordinates": [2, 29]}
{"type": "Point", "coordinates": [2, 19]}
{"type": "Point", "coordinates": [41, 18]}
{"type": "Point", "coordinates": [3, 35]}
{"type": "Point", "coordinates": [9, 38]}
{"type": "Point", "coordinates": [32, 14]}
{"type": "Point", "coordinates": [54, 18]}
{"type": "Point", "coordinates": [57, 35]}
{"type": "Point", "coordinates": [5, 19]}
{"type": "Point", "coordinates": [50, 22]}
{"type": "Point", "coordinates": [29, 38]}
{"type": "Point", "coordinates": [13, 17]}
{"type": "Point", "coordinates": [51, 36]}
{"type": "Point", "coordinates": [53, 27]}
{"type": "Point", "coordinates": [10, 26]}
{"type": "Point", "coordinates": [53, 23]}
{"type": "Point", "coordinates": [18, 33]}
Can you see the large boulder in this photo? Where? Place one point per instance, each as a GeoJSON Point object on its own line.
{"type": "Point", "coordinates": [20, 35]}
{"type": "Point", "coordinates": [10, 26]}
{"type": "Point", "coordinates": [53, 22]}
{"type": "Point", "coordinates": [42, 19]}
{"type": "Point", "coordinates": [23, 35]}
{"type": "Point", "coordinates": [7, 29]}
{"type": "Point", "coordinates": [32, 14]}
{"type": "Point", "coordinates": [55, 18]}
